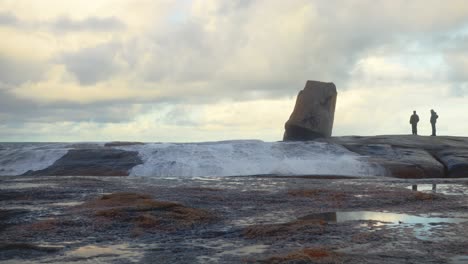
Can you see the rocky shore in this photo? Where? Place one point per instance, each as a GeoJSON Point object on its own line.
{"type": "Point", "coordinates": [407, 156]}
{"type": "Point", "coordinates": [303, 219]}
{"type": "Point", "coordinates": [417, 213]}
{"type": "Point", "coordinates": [401, 156]}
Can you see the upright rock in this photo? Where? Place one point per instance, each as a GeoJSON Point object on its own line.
{"type": "Point", "coordinates": [313, 113]}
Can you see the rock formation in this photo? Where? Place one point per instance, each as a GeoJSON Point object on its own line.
{"type": "Point", "coordinates": [407, 156]}
{"type": "Point", "coordinates": [401, 156]}
{"type": "Point", "coordinates": [313, 113]}
{"type": "Point", "coordinates": [96, 162]}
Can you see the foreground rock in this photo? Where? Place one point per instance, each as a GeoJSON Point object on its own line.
{"type": "Point", "coordinates": [96, 162]}
{"type": "Point", "coordinates": [256, 220]}
{"type": "Point", "coordinates": [143, 212]}
{"type": "Point", "coordinates": [313, 113]}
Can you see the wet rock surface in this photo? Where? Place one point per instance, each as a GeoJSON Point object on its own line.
{"type": "Point", "coordinates": [232, 220]}
{"type": "Point", "coordinates": [94, 161]}
{"type": "Point", "coordinates": [402, 162]}
{"type": "Point", "coordinates": [407, 156]}
{"type": "Point", "coordinates": [402, 156]}
{"type": "Point", "coordinates": [456, 161]}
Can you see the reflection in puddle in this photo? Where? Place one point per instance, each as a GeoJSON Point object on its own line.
{"type": "Point", "coordinates": [268, 218]}
{"type": "Point", "coordinates": [389, 218]}
{"type": "Point", "coordinates": [245, 251]}
{"type": "Point", "coordinates": [67, 204]}
{"type": "Point", "coordinates": [23, 207]}
{"type": "Point", "coordinates": [22, 185]}
{"type": "Point", "coordinates": [225, 249]}
{"type": "Point", "coordinates": [120, 251]}
{"type": "Point", "coordinates": [361, 195]}
{"type": "Point", "coordinates": [459, 260]}
{"type": "Point", "coordinates": [423, 228]}
{"type": "Point", "coordinates": [447, 189]}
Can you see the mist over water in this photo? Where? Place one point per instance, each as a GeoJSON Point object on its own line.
{"type": "Point", "coordinates": [224, 158]}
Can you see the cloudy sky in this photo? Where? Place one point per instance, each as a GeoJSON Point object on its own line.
{"type": "Point", "coordinates": [202, 70]}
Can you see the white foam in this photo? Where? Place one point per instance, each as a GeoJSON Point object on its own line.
{"type": "Point", "coordinates": [18, 158]}
{"type": "Point", "coordinates": [248, 157]}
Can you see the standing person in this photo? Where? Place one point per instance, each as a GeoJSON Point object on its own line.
{"type": "Point", "coordinates": [434, 117]}
{"type": "Point", "coordinates": [414, 119]}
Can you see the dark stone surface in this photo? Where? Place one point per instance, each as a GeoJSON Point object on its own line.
{"type": "Point", "coordinates": [313, 113]}
{"type": "Point", "coordinates": [92, 162]}
{"type": "Point", "coordinates": [456, 161]}
{"type": "Point", "coordinates": [7, 215]}
{"type": "Point", "coordinates": [122, 143]}
{"type": "Point", "coordinates": [401, 162]}
{"type": "Point", "coordinates": [409, 156]}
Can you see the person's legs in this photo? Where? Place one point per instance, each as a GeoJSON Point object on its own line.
{"type": "Point", "coordinates": [414, 129]}
{"type": "Point", "coordinates": [433, 129]}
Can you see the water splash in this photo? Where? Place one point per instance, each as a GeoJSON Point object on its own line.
{"type": "Point", "coordinates": [248, 157]}
{"type": "Point", "coordinates": [18, 158]}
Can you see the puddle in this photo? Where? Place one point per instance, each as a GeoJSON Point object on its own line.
{"type": "Point", "coordinates": [459, 260]}
{"type": "Point", "coordinates": [226, 249]}
{"type": "Point", "coordinates": [362, 195]}
{"type": "Point", "coordinates": [114, 251]}
{"type": "Point", "coordinates": [19, 185]}
{"type": "Point", "coordinates": [34, 208]}
{"type": "Point", "coordinates": [424, 228]}
{"type": "Point", "coordinates": [447, 189]}
{"type": "Point", "coordinates": [268, 218]}
{"type": "Point", "coordinates": [247, 250]}
{"type": "Point", "coordinates": [64, 204]}
{"type": "Point", "coordinates": [386, 218]}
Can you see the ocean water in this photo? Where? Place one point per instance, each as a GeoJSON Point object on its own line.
{"type": "Point", "coordinates": [224, 158]}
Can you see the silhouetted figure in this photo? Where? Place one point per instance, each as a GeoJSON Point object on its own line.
{"type": "Point", "coordinates": [414, 119]}
{"type": "Point", "coordinates": [434, 117]}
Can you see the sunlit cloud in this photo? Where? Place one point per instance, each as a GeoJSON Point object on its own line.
{"type": "Point", "coordinates": [153, 70]}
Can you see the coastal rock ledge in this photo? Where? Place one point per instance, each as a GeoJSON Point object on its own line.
{"type": "Point", "coordinates": [408, 156]}
{"type": "Point", "coordinates": [401, 156]}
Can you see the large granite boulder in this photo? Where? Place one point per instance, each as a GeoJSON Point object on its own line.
{"type": "Point", "coordinates": [313, 113]}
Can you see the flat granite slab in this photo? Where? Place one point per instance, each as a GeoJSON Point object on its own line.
{"type": "Point", "coordinates": [408, 156]}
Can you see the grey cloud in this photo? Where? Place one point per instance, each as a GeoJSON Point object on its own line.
{"type": "Point", "coordinates": [180, 116]}
{"type": "Point", "coordinates": [94, 64]}
{"type": "Point", "coordinates": [8, 19]}
{"type": "Point", "coordinates": [15, 71]}
{"type": "Point", "coordinates": [459, 89]}
{"type": "Point", "coordinates": [194, 59]}
{"type": "Point", "coordinates": [15, 110]}
{"type": "Point", "coordinates": [65, 24]}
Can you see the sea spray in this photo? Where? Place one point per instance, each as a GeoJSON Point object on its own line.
{"type": "Point", "coordinates": [248, 157]}
{"type": "Point", "coordinates": [204, 159]}
{"type": "Point", "coordinates": [18, 158]}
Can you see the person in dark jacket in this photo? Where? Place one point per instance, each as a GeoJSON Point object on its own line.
{"type": "Point", "coordinates": [414, 119]}
{"type": "Point", "coordinates": [434, 117]}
